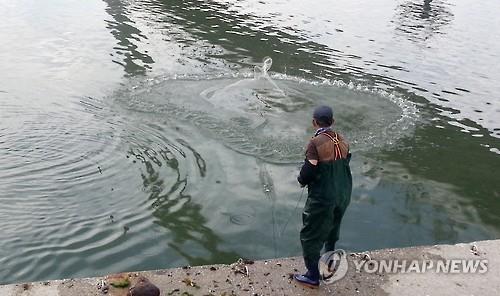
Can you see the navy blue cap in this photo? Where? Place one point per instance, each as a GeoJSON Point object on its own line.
{"type": "Point", "coordinates": [323, 114]}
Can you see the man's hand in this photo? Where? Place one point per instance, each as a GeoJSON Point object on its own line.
{"type": "Point", "coordinates": [300, 182]}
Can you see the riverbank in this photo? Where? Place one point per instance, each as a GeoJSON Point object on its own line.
{"type": "Point", "coordinates": [272, 277]}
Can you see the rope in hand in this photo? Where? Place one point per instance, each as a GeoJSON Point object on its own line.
{"type": "Point", "coordinates": [291, 215]}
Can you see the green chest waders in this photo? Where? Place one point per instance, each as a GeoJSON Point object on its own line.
{"type": "Point", "coordinates": [329, 195]}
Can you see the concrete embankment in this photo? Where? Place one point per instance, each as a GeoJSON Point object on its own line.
{"type": "Point", "coordinates": [272, 277]}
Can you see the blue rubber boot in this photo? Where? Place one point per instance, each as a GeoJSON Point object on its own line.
{"type": "Point", "coordinates": [307, 280]}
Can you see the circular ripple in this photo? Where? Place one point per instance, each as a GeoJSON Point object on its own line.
{"type": "Point", "coordinates": [269, 118]}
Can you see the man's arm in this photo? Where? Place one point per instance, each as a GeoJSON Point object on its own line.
{"type": "Point", "coordinates": [308, 170]}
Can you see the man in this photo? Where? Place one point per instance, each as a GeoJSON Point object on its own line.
{"type": "Point", "coordinates": [327, 175]}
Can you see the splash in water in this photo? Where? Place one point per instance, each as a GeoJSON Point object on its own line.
{"type": "Point", "coordinates": [268, 116]}
{"type": "Point", "coordinates": [255, 95]}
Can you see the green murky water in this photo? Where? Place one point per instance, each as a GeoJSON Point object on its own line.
{"type": "Point", "coordinates": [133, 134]}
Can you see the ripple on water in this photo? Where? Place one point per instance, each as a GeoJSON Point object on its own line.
{"type": "Point", "coordinates": [57, 179]}
{"type": "Point", "coordinates": [269, 118]}
{"type": "Point", "coordinates": [241, 216]}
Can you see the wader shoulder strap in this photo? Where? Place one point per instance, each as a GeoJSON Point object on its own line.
{"type": "Point", "coordinates": [336, 142]}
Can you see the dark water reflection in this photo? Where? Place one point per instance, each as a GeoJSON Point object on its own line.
{"type": "Point", "coordinates": [126, 33]}
{"type": "Point", "coordinates": [419, 21]}
{"type": "Point", "coordinates": [454, 167]}
{"type": "Point", "coordinates": [176, 211]}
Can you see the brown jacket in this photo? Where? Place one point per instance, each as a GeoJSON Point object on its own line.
{"type": "Point", "coordinates": [324, 148]}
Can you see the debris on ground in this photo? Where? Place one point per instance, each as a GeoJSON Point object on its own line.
{"type": "Point", "coordinates": [173, 292]}
{"type": "Point", "coordinates": [119, 280]}
{"type": "Point", "coordinates": [240, 266]}
{"type": "Point", "coordinates": [474, 250]}
{"type": "Point", "coordinates": [103, 286]}
{"type": "Point", "coordinates": [247, 261]}
{"type": "Point", "coordinates": [144, 288]}
{"type": "Point", "coordinates": [190, 282]}
{"type": "Point", "coordinates": [363, 256]}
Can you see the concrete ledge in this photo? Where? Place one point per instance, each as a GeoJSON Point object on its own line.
{"type": "Point", "coordinates": [271, 277]}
